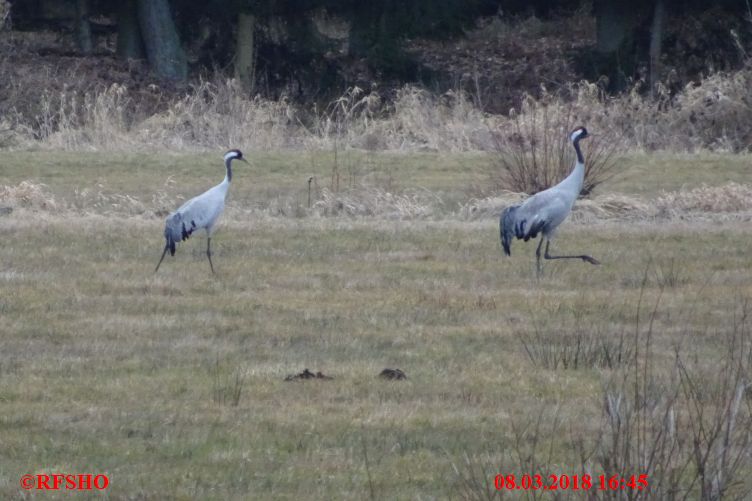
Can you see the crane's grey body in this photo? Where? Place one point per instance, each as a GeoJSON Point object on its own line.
{"type": "Point", "coordinates": [201, 212]}
{"type": "Point", "coordinates": [546, 210]}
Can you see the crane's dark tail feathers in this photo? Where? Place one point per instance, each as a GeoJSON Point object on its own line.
{"type": "Point", "coordinates": [170, 243]}
{"type": "Point", "coordinates": [506, 229]}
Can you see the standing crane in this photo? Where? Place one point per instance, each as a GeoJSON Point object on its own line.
{"type": "Point", "coordinates": [199, 212]}
{"type": "Point", "coordinates": [546, 210]}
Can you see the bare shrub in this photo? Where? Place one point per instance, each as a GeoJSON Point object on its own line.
{"type": "Point", "coordinates": [576, 350]}
{"type": "Point", "coordinates": [684, 421]}
{"type": "Point", "coordinates": [533, 151]}
{"type": "Point", "coordinates": [564, 338]}
{"type": "Point", "coordinates": [689, 432]}
{"type": "Point", "coordinates": [669, 276]}
{"type": "Point", "coordinates": [531, 452]}
{"type": "Point", "coordinates": [474, 477]}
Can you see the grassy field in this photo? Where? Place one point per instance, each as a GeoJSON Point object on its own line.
{"type": "Point", "coordinates": [173, 385]}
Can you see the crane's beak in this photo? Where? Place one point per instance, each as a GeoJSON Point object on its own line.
{"type": "Point", "coordinates": [244, 160]}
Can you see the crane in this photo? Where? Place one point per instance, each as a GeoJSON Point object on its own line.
{"type": "Point", "coordinates": [546, 210]}
{"type": "Point", "coordinates": [199, 212]}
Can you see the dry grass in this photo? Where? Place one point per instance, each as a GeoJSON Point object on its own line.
{"type": "Point", "coordinates": [727, 202]}
{"type": "Point", "coordinates": [152, 378]}
{"type": "Point", "coordinates": [712, 115]}
{"type": "Point", "coordinates": [174, 383]}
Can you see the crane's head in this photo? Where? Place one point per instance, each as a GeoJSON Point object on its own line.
{"type": "Point", "coordinates": [578, 133]}
{"type": "Point", "coordinates": [234, 155]}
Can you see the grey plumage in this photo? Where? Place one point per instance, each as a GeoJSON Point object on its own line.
{"type": "Point", "coordinates": [200, 212]}
{"type": "Point", "coordinates": [546, 210]}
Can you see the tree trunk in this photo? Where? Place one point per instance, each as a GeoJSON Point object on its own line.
{"type": "Point", "coordinates": [613, 25]}
{"type": "Point", "coordinates": [129, 43]}
{"type": "Point", "coordinates": [656, 37]}
{"type": "Point", "coordinates": [163, 50]}
{"type": "Point", "coordinates": [83, 28]}
{"type": "Point", "coordinates": [245, 59]}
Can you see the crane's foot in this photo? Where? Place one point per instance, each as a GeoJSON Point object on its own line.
{"type": "Point", "coordinates": [590, 260]}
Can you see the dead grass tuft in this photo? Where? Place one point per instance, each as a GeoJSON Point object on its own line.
{"type": "Point", "coordinates": [421, 120]}
{"type": "Point", "coordinates": [28, 195]}
{"type": "Point", "coordinates": [612, 206]}
{"type": "Point", "coordinates": [364, 200]}
{"type": "Point", "coordinates": [218, 114]}
{"type": "Point", "coordinates": [370, 201]}
{"type": "Point", "coordinates": [729, 198]}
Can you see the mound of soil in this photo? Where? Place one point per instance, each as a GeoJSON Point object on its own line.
{"type": "Point", "coordinates": [306, 374]}
{"type": "Point", "coordinates": [394, 374]}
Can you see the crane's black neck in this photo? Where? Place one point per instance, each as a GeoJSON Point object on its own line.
{"type": "Point", "coordinates": [576, 144]}
{"type": "Point", "coordinates": [228, 164]}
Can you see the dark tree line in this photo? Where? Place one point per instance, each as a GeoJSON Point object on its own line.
{"type": "Point", "coordinates": [313, 40]}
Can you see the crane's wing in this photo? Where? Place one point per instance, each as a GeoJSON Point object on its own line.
{"type": "Point", "coordinates": [196, 213]}
{"type": "Point", "coordinates": [506, 228]}
{"type": "Point", "coordinates": [544, 210]}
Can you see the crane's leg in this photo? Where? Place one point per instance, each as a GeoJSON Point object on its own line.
{"type": "Point", "coordinates": [538, 256]}
{"type": "Point", "coordinates": [208, 253]}
{"type": "Point", "coordinates": [584, 257]}
{"type": "Point", "coordinates": [161, 258]}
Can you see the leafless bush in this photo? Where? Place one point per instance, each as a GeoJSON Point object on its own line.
{"type": "Point", "coordinates": [531, 452]}
{"type": "Point", "coordinates": [533, 151]}
{"type": "Point", "coordinates": [684, 421]}
{"type": "Point", "coordinates": [567, 338]}
{"type": "Point", "coordinates": [689, 430]}
{"type": "Point", "coordinates": [474, 476]}
{"type": "Point", "coordinates": [669, 276]}
{"type": "Point", "coordinates": [580, 349]}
